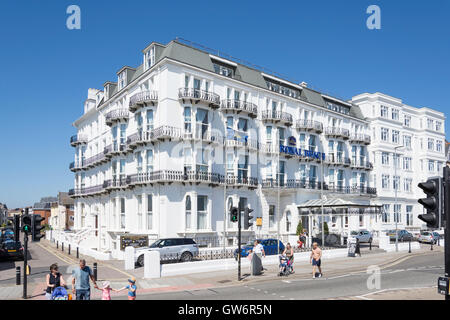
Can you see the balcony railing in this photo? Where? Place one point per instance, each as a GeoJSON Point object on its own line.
{"type": "Point", "coordinates": [293, 184]}
{"type": "Point", "coordinates": [338, 160]}
{"type": "Point", "coordinates": [208, 136]}
{"type": "Point", "coordinates": [241, 181]}
{"type": "Point", "coordinates": [77, 139]}
{"type": "Point", "coordinates": [116, 115]}
{"type": "Point", "coordinates": [139, 138]}
{"type": "Point", "coordinates": [247, 143]}
{"type": "Point", "coordinates": [94, 160]}
{"type": "Point", "coordinates": [355, 189]}
{"type": "Point", "coordinates": [277, 116]}
{"type": "Point", "coordinates": [142, 99]}
{"type": "Point", "coordinates": [203, 177]}
{"type": "Point", "coordinates": [270, 148]}
{"type": "Point", "coordinates": [197, 95]}
{"type": "Point", "coordinates": [75, 166]}
{"type": "Point", "coordinates": [160, 176]}
{"type": "Point", "coordinates": [309, 125]}
{"type": "Point", "coordinates": [167, 132]}
{"type": "Point", "coordinates": [360, 138]}
{"type": "Point", "coordinates": [114, 149]}
{"type": "Point", "coordinates": [89, 191]}
{"type": "Point", "coordinates": [239, 106]}
{"type": "Point", "coordinates": [337, 132]}
{"type": "Point", "coordinates": [116, 182]}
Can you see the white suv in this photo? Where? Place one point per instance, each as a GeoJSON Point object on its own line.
{"type": "Point", "coordinates": [179, 249]}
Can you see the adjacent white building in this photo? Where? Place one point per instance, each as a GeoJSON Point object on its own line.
{"type": "Point", "coordinates": [165, 150]}
{"type": "Point", "coordinates": [408, 146]}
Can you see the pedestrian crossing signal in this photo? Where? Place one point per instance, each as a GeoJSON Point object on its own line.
{"type": "Point", "coordinates": [36, 228]}
{"type": "Point", "coordinates": [234, 214]}
{"type": "Point", "coordinates": [247, 218]}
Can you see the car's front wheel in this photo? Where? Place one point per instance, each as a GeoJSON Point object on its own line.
{"type": "Point", "coordinates": [140, 260]}
{"type": "Point", "coordinates": [186, 256]}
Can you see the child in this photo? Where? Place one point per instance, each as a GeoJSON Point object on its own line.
{"type": "Point", "coordinates": [106, 290]}
{"type": "Point", "coordinates": [131, 288]}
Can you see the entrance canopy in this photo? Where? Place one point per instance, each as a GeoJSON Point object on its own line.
{"type": "Point", "coordinates": [340, 205]}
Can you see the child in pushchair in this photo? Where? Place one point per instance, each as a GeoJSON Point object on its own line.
{"type": "Point", "coordinates": [285, 265]}
{"type": "Point", "coordinates": [60, 293]}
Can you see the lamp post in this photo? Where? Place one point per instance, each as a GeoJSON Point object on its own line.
{"type": "Point", "coordinates": [396, 213]}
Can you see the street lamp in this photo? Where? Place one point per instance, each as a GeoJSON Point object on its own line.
{"type": "Point", "coordinates": [396, 213]}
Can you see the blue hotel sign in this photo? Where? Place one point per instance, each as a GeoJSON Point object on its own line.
{"type": "Point", "coordinates": [291, 150]}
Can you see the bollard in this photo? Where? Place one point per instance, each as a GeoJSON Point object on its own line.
{"type": "Point", "coordinates": [57, 244]}
{"type": "Point", "coordinates": [18, 276]}
{"type": "Point", "coordinates": [95, 271]}
{"type": "Point", "coordinates": [62, 247]}
{"type": "Point", "coordinates": [370, 245]}
{"type": "Point", "coordinates": [439, 241]}
{"type": "Point", "coordinates": [78, 255]}
{"type": "Point", "coordinates": [69, 250]}
{"type": "Point", "coordinates": [432, 245]}
{"type": "Point", "coordinates": [409, 251]}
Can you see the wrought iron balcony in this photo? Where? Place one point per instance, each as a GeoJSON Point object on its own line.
{"type": "Point", "coordinates": [86, 192]}
{"type": "Point", "coordinates": [355, 189]}
{"type": "Point", "coordinates": [241, 181]}
{"type": "Point", "coordinates": [143, 99]}
{"type": "Point", "coordinates": [77, 139]}
{"type": "Point", "coordinates": [337, 132]}
{"type": "Point", "coordinates": [292, 184]}
{"type": "Point", "coordinates": [277, 116]}
{"type": "Point", "coordinates": [361, 164]}
{"type": "Point", "coordinates": [360, 138]}
{"type": "Point", "coordinates": [197, 95]}
{"type": "Point", "coordinates": [116, 115]}
{"type": "Point", "coordinates": [76, 166]}
{"type": "Point", "coordinates": [309, 125]}
{"type": "Point", "coordinates": [238, 106]}
{"type": "Point", "coordinates": [116, 183]}
{"type": "Point", "coordinates": [139, 138]}
{"type": "Point", "coordinates": [247, 143]}
{"type": "Point", "coordinates": [95, 160]}
{"type": "Point", "coordinates": [114, 149]}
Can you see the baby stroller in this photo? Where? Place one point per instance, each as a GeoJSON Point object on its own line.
{"type": "Point", "coordinates": [60, 293]}
{"type": "Point", "coordinates": [285, 266]}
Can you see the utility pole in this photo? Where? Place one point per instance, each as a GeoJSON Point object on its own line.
{"type": "Point", "coordinates": [239, 244]}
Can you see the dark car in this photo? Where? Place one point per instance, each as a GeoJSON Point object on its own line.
{"type": "Point", "coordinates": [403, 235]}
{"type": "Point", "coordinates": [270, 247]}
{"type": "Point", "coordinates": [10, 249]}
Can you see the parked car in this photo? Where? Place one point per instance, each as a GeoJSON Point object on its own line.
{"type": "Point", "coordinates": [428, 237]}
{"type": "Point", "coordinates": [270, 247]}
{"type": "Point", "coordinates": [10, 249]}
{"type": "Point", "coordinates": [403, 235]}
{"type": "Point", "coordinates": [181, 249]}
{"type": "Point", "coordinates": [364, 236]}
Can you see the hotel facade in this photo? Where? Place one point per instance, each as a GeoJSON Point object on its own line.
{"type": "Point", "coordinates": [169, 147]}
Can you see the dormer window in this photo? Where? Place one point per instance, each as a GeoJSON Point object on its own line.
{"type": "Point", "coordinates": [122, 80]}
{"type": "Point", "coordinates": [106, 92]}
{"type": "Point", "coordinates": [149, 58]}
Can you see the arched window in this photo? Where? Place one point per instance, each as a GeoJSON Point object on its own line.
{"type": "Point", "coordinates": [188, 212]}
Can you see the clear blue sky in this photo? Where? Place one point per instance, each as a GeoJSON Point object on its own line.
{"type": "Point", "coordinates": [46, 69]}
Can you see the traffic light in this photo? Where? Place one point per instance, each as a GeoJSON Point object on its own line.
{"type": "Point", "coordinates": [247, 218]}
{"type": "Point", "coordinates": [234, 214]}
{"type": "Point", "coordinates": [26, 223]}
{"type": "Point", "coordinates": [15, 223]}
{"type": "Point", "coordinates": [432, 203]}
{"type": "Point", "coordinates": [36, 227]}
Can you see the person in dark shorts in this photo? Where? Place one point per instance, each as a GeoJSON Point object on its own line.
{"type": "Point", "coordinates": [315, 259]}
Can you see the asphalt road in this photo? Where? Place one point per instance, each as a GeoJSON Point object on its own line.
{"type": "Point", "coordinates": [415, 272]}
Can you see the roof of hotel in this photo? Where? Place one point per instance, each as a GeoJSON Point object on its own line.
{"type": "Point", "coordinates": [190, 55]}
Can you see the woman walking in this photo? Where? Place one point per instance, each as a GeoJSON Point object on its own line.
{"type": "Point", "coordinates": [54, 280]}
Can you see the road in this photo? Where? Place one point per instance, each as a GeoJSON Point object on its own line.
{"type": "Point", "coordinates": [415, 272]}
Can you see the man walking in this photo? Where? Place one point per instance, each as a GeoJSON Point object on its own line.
{"type": "Point", "coordinates": [315, 259]}
{"type": "Point", "coordinates": [80, 281]}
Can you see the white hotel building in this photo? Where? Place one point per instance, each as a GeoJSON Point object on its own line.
{"type": "Point", "coordinates": [408, 146]}
{"type": "Point", "coordinates": [164, 150]}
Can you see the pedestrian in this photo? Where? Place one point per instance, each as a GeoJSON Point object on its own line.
{"type": "Point", "coordinates": [131, 288]}
{"type": "Point", "coordinates": [258, 253]}
{"type": "Point", "coordinates": [54, 279]}
{"type": "Point", "coordinates": [106, 290]}
{"type": "Point", "coordinates": [80, 281]}
{"type": "Point", "coordinates": [289, 253]}
{"type": "Point", "coordinates": [315, 259]}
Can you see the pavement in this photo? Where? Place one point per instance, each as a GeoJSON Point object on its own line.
{"type": "Point", "coordinates": [207, 285]}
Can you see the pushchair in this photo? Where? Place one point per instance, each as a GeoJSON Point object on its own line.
{"type": "Point", "coordinates": [60, 293]}
{"type": "Point", "coordinates": [285, 266]}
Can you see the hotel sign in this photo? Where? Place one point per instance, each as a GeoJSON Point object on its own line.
{"type": "Point", "coordinates": [293, 151]}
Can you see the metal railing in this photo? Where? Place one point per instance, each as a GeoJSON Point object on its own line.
{"type": "Point", "coordinates": [293, 184]}
{"type": "Point", "coordinates": [359, 137]}
{"type": "Point", "coordinates": [77, 139]}
{"type": "Point", "coordinates": [244, 142]}
{"type": "Point", "coordinates": [116, 115]}
{"type": "Point", "coordinates": [238, 105]}
{"type": "Point", "coordinates": [142, 98]}
{"type": "Point", "coordinates": [337, 132]}
{"type": "Point", "coordinates": [198, 94]}
{"type": "Point", "coordinates": [277, 116]}
{"type": "Point", "coordinates": [303, 124]}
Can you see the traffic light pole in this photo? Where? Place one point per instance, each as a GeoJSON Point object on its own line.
{"type": "Point", "coordinates": [239, 245]}
{"type": "Point", "coordinates": [447, 224]}
{"type": "Point", "coordinates": [25, 263]}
